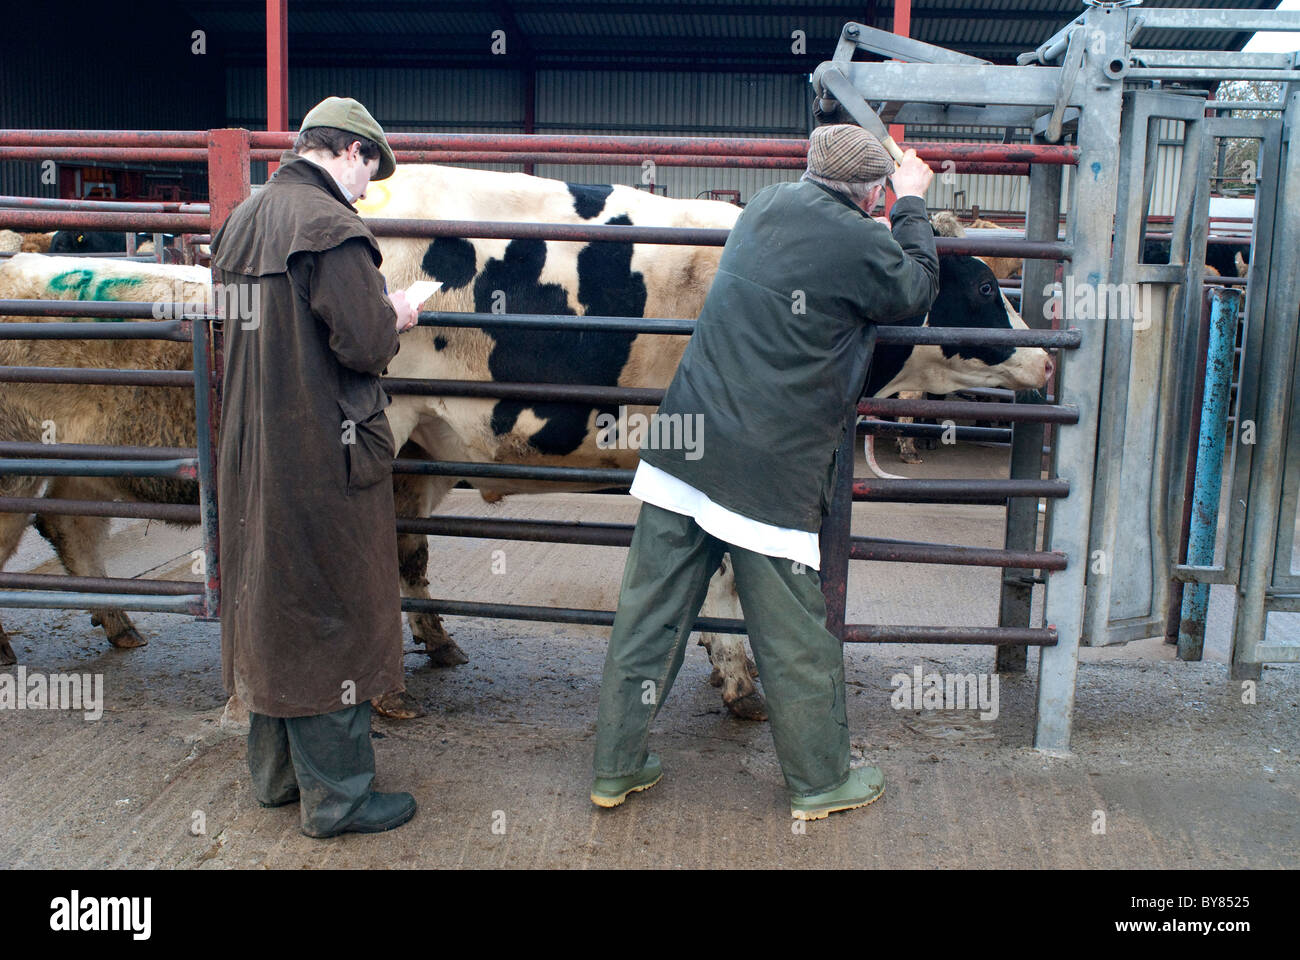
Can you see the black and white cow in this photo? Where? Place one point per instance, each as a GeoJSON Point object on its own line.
{"type": "Point", "coordinates": [1223, 258]}
{"type": "Point", "coordinates": [600, 278]}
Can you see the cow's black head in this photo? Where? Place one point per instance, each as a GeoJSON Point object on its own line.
{"type": "Point", "coordinates": [968, 297]}
{"type": "Point", "coordinates": [92, 241]}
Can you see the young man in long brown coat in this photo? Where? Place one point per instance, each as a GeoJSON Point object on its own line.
{"type": "Point", "coordinates": [311, 618]}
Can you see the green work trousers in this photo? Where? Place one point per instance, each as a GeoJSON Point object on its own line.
{"type": "Point", "coordinates": [328, 757]}
{"type": "Point", "coordinates": [800, 662]}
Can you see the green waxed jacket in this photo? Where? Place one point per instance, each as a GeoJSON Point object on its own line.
{"type": "Point", "coordinates": [780, 352]}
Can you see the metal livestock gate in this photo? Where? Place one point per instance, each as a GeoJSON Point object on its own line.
{"type": "Point", "coordinates": [1092, 96]}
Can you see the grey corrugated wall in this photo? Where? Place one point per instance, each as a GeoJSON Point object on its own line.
{"type": "Point", "coordinates": [91, 68]}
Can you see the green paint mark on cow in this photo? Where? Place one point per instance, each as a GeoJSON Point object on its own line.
{"type": "Point", "coordinates": [87, 287]}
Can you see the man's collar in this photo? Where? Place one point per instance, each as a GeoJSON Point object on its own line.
{"type": "Point", "coordinates": [298, 169]}
{"type": "Point", "coordinates": [838, 196]}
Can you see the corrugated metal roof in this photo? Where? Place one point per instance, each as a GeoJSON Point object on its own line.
{"type": "Point", "coordinates": [745, 34]}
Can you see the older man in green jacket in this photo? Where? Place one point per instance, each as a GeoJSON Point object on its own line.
{"type": "Point", "coordinates": [772, 374]}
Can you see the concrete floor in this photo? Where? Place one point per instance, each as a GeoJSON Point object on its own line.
{"type": "Point", "coordinates": [1183, 773]}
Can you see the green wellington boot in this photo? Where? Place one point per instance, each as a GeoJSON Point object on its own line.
{"type": "Point", "coordinates": [611, 791]}
{"type": "Point", "coordinates": [865, 785]}
{"type": "Point", "coordinates": [380, 812]}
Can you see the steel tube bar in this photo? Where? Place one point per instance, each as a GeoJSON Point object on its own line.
{"type": "Point", "coordinates": [184, 469]}
{"type": "Point", "coordinates": [514, 471]}
{"type": "Point", "coordinates": [955, 491]}
{"type": "Point", "coordinates": [686, 236]}
{"type": "Point", "coordinates": [513, 611]}
{"type": "Point", "coordinates": [103, 138]}
{"type": "Point", "coordinates": [175, 330]}
{"type": "Point", "coordinates": [171, 512]}
{"type": "Point", "coordinates": [98, 375]}
{"type": "Point", "coordinates": [937, 336]}
{"type": "Point", "coordinates": [888, 428]}
{"type": "Point", "coordinates": [886, 551]}
{"type": "Point", "coordinates": [969, 410]}
{"type": "Point", "coordinates": [662, 160]}
{"type": "Point", "coordinates": [854, 633]}
{"type": "Point", "coordinates": [115, 206]}
{"type": "Point", "coordinates": [689, 146]}
{"type": "Point", "coordinates": [33, 221]}
{"type": "Point", "coordinates": [548, 392]}
{"type": "Point", "coordinates": [94, 451]}
{"type": "Point", "coordinates": [206, 436]}
{"type": "Point", "coordinates": [47, 581]}
{"type": "Point", "coordinates": [882, 633]}
{"type": "Point", "coordinates": [89, 600]}
{"type": "Point", "coordinates": [1233, 21]}
{"type": "Point", "coordinates": [110, 154]}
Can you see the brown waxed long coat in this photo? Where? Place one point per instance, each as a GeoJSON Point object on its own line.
{"type": "Point", "coordinates": [310, 609]}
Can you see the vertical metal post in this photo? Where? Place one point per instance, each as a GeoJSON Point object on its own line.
{"type": "Point", "coordinates": [205, 434]}
{"type": "Point", "coordinates": [1224, 307]}
{"type": "Point", "coordinates": [836, 533]}
{"type": "Point", "coordinates": [277, 68]}
{"type": "Point", "coordinates": [530, 104]}
{"type": "Point", "coordinates": [1092, 212]}
{"type": "Point", "coordinates": [228, 184]}
{"type": "Point", "coordinates": [902, 27]}
{"type": "Point", "coordinates": [1174, 615]}
{"type": "Point", "coordinates": [1274, 398]}
{"type": "Point", "coordinates": [228, 187]}
{"type": "Point", "coordinates": [1042, 222]}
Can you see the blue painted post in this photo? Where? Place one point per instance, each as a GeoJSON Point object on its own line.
{"type": "Point", "coordinates": [1225, 304]}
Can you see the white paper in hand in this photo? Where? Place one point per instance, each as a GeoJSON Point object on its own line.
{"type": "Point", "coordinates": [421, 291]}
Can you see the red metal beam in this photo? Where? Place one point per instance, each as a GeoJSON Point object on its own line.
{"type": "Point", "coordinates": [665, 160]}
{"type": "Point", "coordinates": [103, 138]}
{"type": "Point", "coordinates": [530, 102]}
{"type": "Point", "coordinates": [277, 67]}
{"type": "Point", "coordinates": [28, 221]}
{"type": "Point", "coordinates": [902, 28]}
{"type": "Point", "coordinates": [64, 140]}
{"type": "Point", "coordinates": [228, 181]}
{"type": "Point", "coordinates": [115, 154]}
{"type": "Point", "coordinates": [693, 146]}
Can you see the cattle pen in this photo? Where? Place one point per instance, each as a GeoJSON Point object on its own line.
{"type": "Point", "coordinates": [1109, 422]}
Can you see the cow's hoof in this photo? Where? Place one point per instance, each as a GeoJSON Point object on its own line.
{"type": "Point", "coordinates": [7, 656]}
{"type": "Point", "coordinates": [752, 706]}
{"type": "Point", "coordinates": [128, 639]}
{"type": "Point", "coordinates": [398, 705]}
{"type": "Point", "coordinates": [715, 678]}
{"type": "Point", "coordinates": [447, 655]}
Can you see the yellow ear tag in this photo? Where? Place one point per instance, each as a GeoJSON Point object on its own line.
{"type": "Point", "coordinates": [376, 198]}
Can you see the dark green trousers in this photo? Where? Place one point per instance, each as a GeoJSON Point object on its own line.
{"type": "Point", "coordinates": [327, 757]}
{"type": "Point", "coordinates": [800, 662]}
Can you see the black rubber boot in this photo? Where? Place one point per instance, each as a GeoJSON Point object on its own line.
{"type": "Point", "coordinates": [269, 763]}
{"type": "Point", "coordinates": [335, 765]}
{"type": "Point", "coordinates": [382, 811]}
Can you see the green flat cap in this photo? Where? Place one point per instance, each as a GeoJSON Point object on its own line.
{"type": "Point", "coordinates": [344, 113]}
